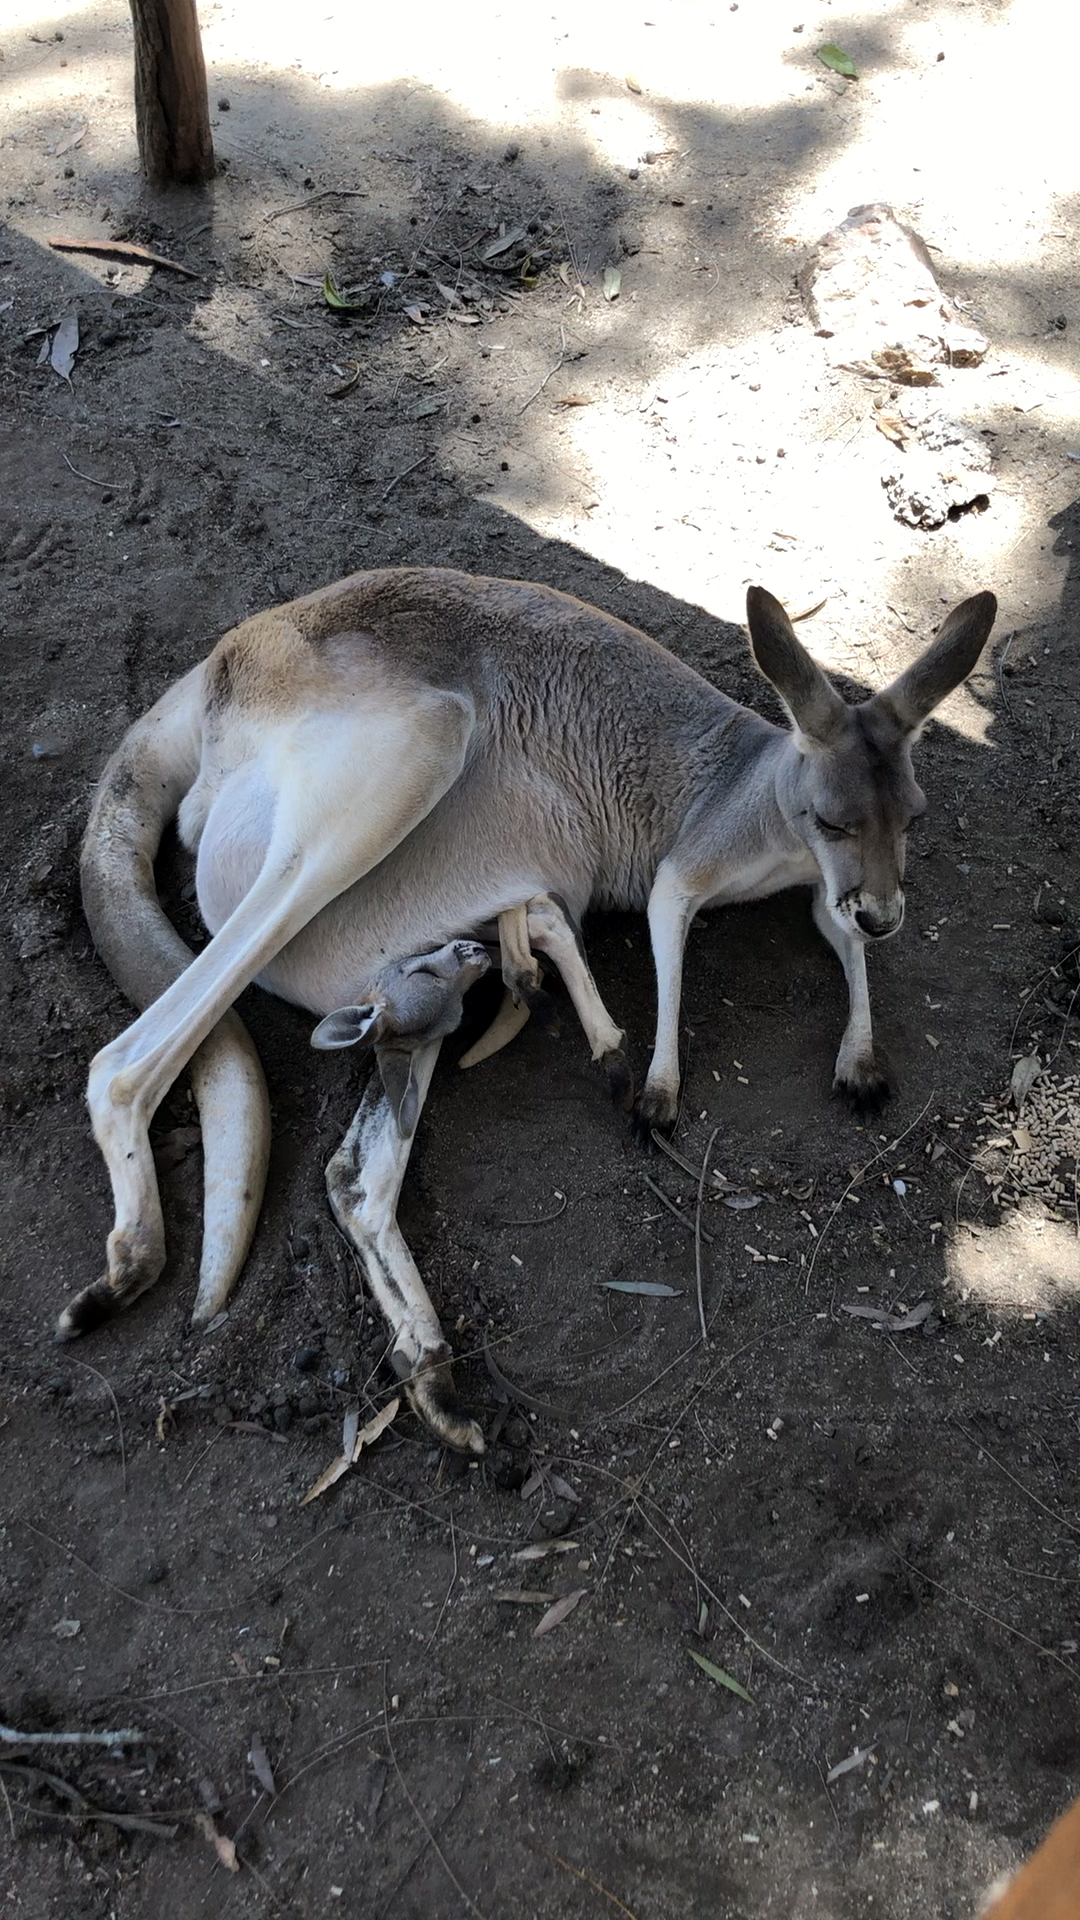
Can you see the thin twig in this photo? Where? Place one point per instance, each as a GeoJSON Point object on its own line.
{"type": "Point", "coordinates": [387, 491]}
{"type": "Point", "coordinates": [1047, 1652]}
{"type": "Point", "coordinates": [449, 1590]}
{"type": "Point", "coordinates": [889, 1147]}
{"type": "Point", "coordinates": [116, 1409]}
{"type": "Point", "coordinates": [542, 1219]}
{"type": "Point", "coordinates": [560, 362]}
{"type": "Point", "coordinates": [7, 1804]}
{"type": "Point", "coordinates": [665, 1146]}
{"type": "Point", "coordinates": [1058, 1518]}
{"type": "Point", "coordinates": [447, 1868]}
{"type": "Point", "coordinates": [125, 250]}
{"type": "Point", "coordinates": [828, 1796]}
{"type": "Point", "coordinates": [672, 1208]}
{"type": "Point", "coordinates": [596, 1885]}
{"type": "Point", "coordinates": [111, 485]}
{"type": "Point", "coordinates": [1001, 659]}
{"type": "Point", "coordinates": [697, 1239]}
{"type": "Point", "coordinates": [517, 1393]}
{"type": "Point", "coordinates": [123, 1737]}
{"type": "Point", "coordinates": [324, 193]}
{"type": "Point", "coordinates": [152, 1606]}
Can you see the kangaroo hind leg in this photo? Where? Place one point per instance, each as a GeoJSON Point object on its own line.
{"type": "Point", "coordinates": [363, 1181]}
{"type": "Point", "coordinates": [345, 795]}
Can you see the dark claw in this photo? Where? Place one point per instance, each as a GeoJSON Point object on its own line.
{"type": "Point", "coordinates": [434, 1399]}
{"type": "Point", "coordinates": [541, 1007]}
{"type": "Point", "coordinates": [620, 1079]}
{"type": "Point", "coordinates": [88, 1311]}
{"type": "Point", "coordinates": [653, 1110]}
{"type": "Point", "coordinates": [865, 1092]}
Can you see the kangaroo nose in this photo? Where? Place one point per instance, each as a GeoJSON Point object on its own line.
{"type": "Point", "coordinates": [877, 925]}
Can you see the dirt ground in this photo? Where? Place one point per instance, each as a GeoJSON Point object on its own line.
{"type": "Point", "coordinates": [874, 1530]}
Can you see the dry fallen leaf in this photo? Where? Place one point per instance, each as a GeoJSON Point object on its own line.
{"type": "Point", "coordinates": [354, 1439]}
{"type": "Point", "coordinates": [892, 1322]}
{"type": "Point", "coordinates": [65, 345]}
{"type": "Point", "coordinates": [561, 1611]}
{"type": "Point", "coordinates": [222, 1845]}
{"type": "Point", "coordinates": [541, 1548]}
{"type": "Point", "coordinates": [369, 1434]}
{"type": "Point", "coordinates": [1024, 1075]}
{"type": "Point", "coordinates": [633, 84]}
{"type": "Point", "coordinates": [260, 1766]}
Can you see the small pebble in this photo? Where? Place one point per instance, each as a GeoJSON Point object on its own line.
{"type": "Point", "coordinates": [340, 1376]}
{"type": "Point", "coordinates": [511, 150]}
{"type": "Point", "coordinates": [306, 1359]}
{"type": "Point", "coordinates": [223, 104]}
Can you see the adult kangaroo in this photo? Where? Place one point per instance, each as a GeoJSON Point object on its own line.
{"type": "Point", "coordinates": [373, 775]}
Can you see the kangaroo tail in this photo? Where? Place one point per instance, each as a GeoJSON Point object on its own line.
{"type": "Point", "coordinates": [138, 795]}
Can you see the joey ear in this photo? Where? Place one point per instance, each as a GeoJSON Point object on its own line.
{"type": "Point", "coordinates": [400, 1086]}
{"type": "Point", "coordinates": [810, 698]}
{"type": "Point", "coordinates": [348, 1026]}
{"type": "Point", "coordinates": [948, 660]}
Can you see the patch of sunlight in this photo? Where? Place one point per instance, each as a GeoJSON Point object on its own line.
{"type": "Point", "coordinates": [712, 476]}
{"type": "Point", "coordinates": [514, 63]}
{"type": "Point", "coordinates": [947, 125]}
{"type": "Point", "coordinates": [43, 16]}
{"type": "Point", "coordinates": [1029, 1264]}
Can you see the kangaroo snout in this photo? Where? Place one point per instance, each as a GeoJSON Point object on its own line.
{"type": "Point", "coordinates": [883, 917]}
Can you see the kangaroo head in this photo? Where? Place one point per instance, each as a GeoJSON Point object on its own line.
{"type": "Point", "coordinates": [412, 1002]}
{"type": "Point", "coordinates": [852, 795]}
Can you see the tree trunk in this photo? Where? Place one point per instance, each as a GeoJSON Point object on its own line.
{"type": "Point", "coordinates": [171, 116]}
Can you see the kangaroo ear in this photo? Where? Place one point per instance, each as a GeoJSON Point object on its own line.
{"type": "Point", "coordinates": [947, 661]}
{"type": "Point", "coordinates": [348, 1026]}
{"type": "Point", "coordinates": [811, 699]}
{"type": "Point", "coordinates": [401, 1089]}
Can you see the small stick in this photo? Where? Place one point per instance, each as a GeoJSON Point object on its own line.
{"type": "Point", "coordinates": [1058, 1518]}
{"type": "Point", "coordinates": [518, 1393]}
{"type": "Point", "coordinates": [889, 1147]}
{"type": "Point", "coordinates": [1002, 657]}
{"type": "Point", "coordinates": [113, 485]}
{"type": "Point", "coordinates": [542, 1219]}
{"type": "Point", "coordinates": [7, 1804]}
{"type": "Point", "coordinates": [448, 1869]}
{"type": "Point", "coordinates": [123, 1737]}
{"type": "Point", "coordinates": [665, 1146]}
{"type": "Point", "coordinates": [324, 193]}
{"type": "Point", "coordinates": [672, 1208]}
{"type": "Point", "coordinates": [560, 362]}
{"type": "Point", "coordinates": [596, 1886]}
{"type": "Point", "coordinates": [449, 1590]}
{"type": "Point", "coordinates": [387, 491]}
{"type": "Point", "coordinates": [125, 250]}
{"type": "Point", "coordinates": [697, 1238]}
{"type": "Point", "coordinates": [1047, 1652]}
{"type": "Point", "coordinates": [119, 1423]}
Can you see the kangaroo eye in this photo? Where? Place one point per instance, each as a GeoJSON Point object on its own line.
{"type": "Point", "coordinates": [830, 831]}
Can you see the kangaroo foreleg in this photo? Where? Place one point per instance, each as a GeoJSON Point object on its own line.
{"type": "Point", "coordinates": [363, 1181]}
{"type": "Point", "coordinates": [857, 1075]}
{"type": "Point", "coordinates": [671, 909]}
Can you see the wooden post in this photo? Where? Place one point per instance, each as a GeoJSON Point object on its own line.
{"type": "Point", "coordinates": [171, 115]}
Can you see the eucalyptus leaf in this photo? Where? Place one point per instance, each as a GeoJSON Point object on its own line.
{"type": "Point", "coordinates": [654, 1288]}
{"type": "Point", "coordinates": [612, 282]}
{"type": "Point", "coordinates": [723, 1679]}
{"type": "Point", "coordinates": [839, 61]}
{"type": "Point", "coordinates": [334, 298]}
